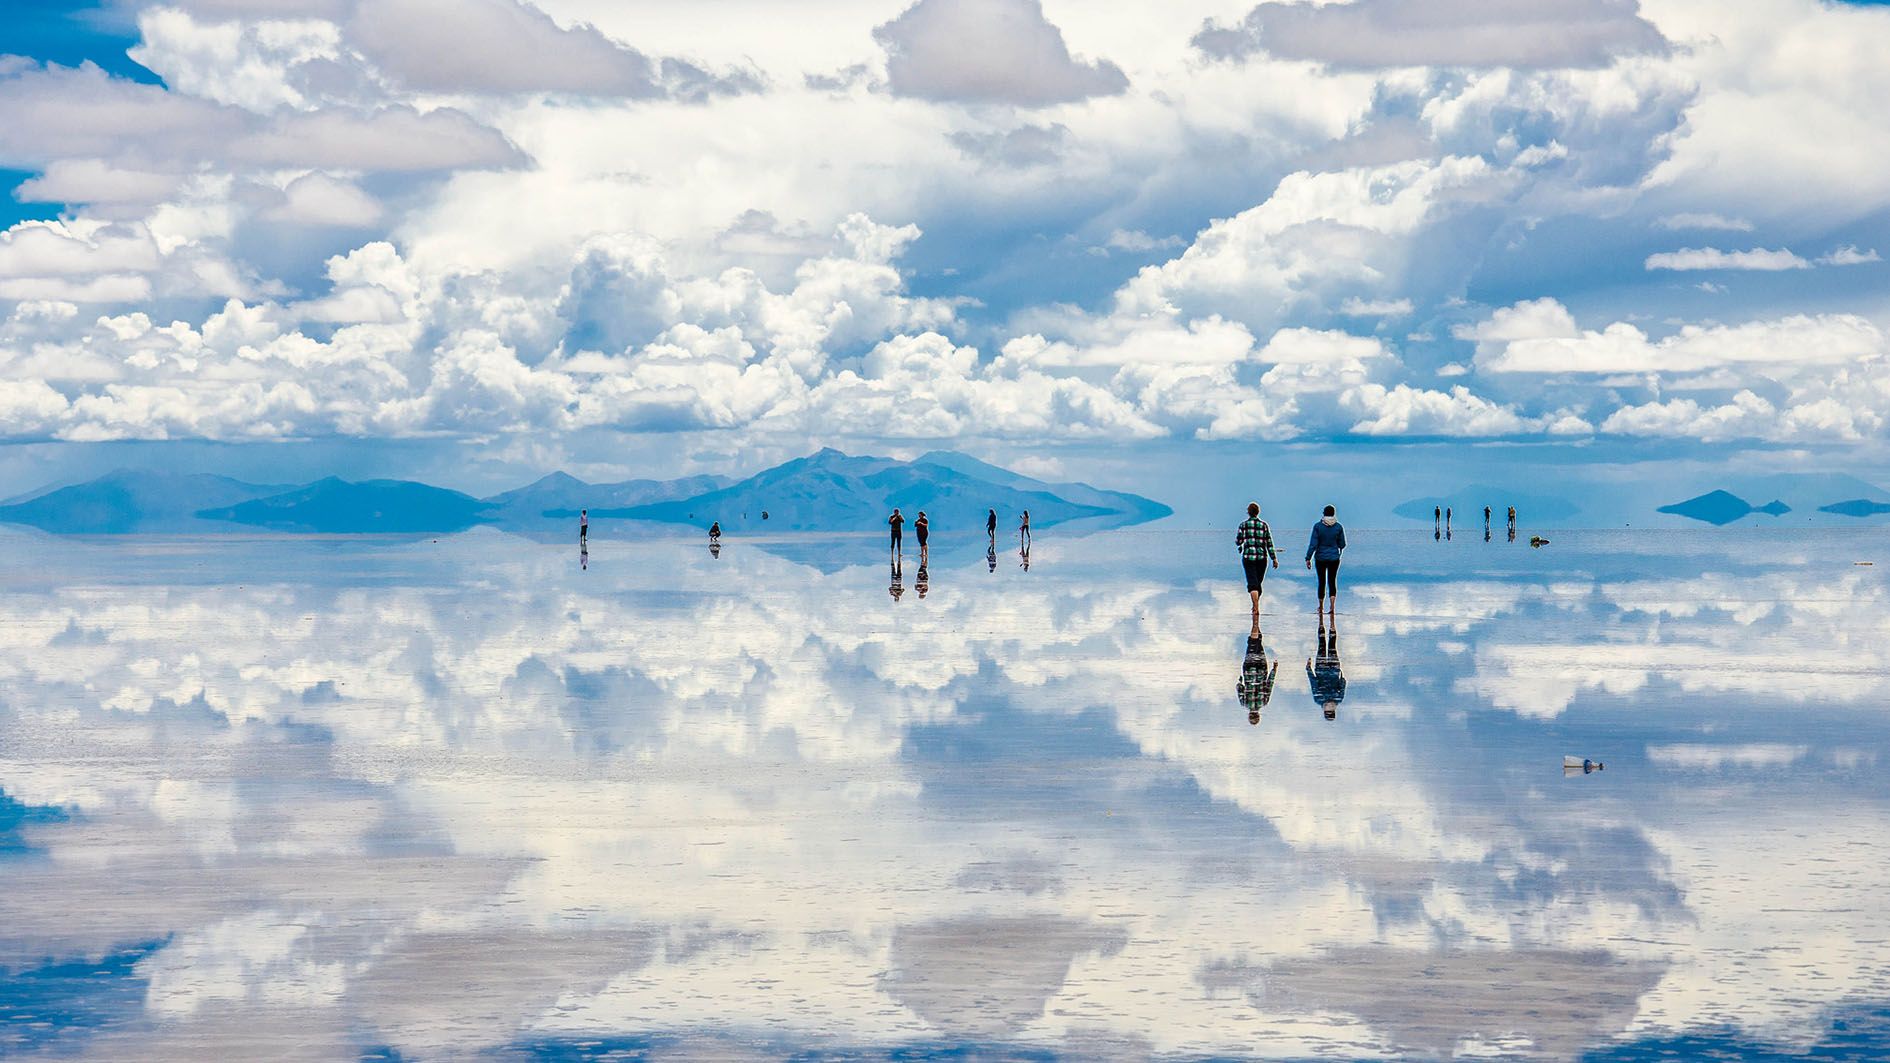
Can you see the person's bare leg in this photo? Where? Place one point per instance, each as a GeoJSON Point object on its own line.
{"type": "Point", "coordinates": [1255, 596]}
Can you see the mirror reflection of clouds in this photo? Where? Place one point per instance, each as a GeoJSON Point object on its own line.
{"type": "Point", "coordinates": [441, 799]}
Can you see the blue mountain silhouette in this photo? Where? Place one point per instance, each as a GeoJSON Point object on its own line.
{"type": "Point", "coordinates": [1856, 507]}
{"type": "Point", "coordinates": [336, 506]}
{"type": "Point", "coordinates": [561, 495]}
{"type": "Point", "coordinates": [830, 490]}
{"type": "Point", "coordinates": [1531, 507]}
{"type": "Point", "coordinates": [130, 501]}
{"type": "Point", "coordinates": [1722, 508]}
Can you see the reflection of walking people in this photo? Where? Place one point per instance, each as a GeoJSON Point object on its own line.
{"type": "Point", "coordinates": [1323, 550]}
{"type": "Point", "coordinates": [1437, 522]}
{"type": "Point", "coordinates": [1254, 540]}
{"type": "Point", "coordinates": [1446, 522]}
{"type": "Point", "coordinates": [584, 555]}
{"type": "Point", "coordinates": [897, 523]}
{"type": "Point", "coordinates": [990, 555]}
{"type": "Point", "coordinates": [898, 581]}
{"type": "Point", "coordinates": [924, 580]}
{"type": "Point", "coordinates": [1512, 524]}
{"type": "Point", "coordinates": [1023, 554]}
{"type": "Point", "coordinates": [1256, 675]}
{"type": "Point", "coordinates": [1486, 524]}
{"type": "Point", "coordinates": [1324, 674]}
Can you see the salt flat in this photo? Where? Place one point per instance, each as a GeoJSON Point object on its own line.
{"type": "Point", "coordinates": [352, 798]}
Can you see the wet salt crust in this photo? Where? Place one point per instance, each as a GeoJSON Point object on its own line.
{"type": "Point", "coordinates": [282, 798]}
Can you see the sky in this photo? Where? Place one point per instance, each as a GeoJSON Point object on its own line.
{"type": "Point", "coordinates": [478, 240]}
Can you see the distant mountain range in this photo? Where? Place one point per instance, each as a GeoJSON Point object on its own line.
{"type": "Point", "coordinates": [824, 491]}
{"type": "Point", "coordinates": [834, 491]}
{"type": "Point", "coordinates": [1723, 507]}
{"type": "Point", "coordinates": [1530, 506]}
{"type": "Point", "coordinates": [1856, 507]}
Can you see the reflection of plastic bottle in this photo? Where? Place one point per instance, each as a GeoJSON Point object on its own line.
{"type": "Point", "coordinates": [1571, 765]}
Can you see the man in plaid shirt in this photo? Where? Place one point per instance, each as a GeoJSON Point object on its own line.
{"type": "Point", "coordinates": [1255, 541]}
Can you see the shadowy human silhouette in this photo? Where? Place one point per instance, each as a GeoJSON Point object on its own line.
{"type": "Point", "coordinates": [1324, 673]}
{"type": "Point", "coordinates": [898, 587]}
{"type": "Point", "coordinates": [1256, 675]}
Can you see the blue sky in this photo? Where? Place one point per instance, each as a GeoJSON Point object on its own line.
{"type": "Point", "coordinates": [495, 237]}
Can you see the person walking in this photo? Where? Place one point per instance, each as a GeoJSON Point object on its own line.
{"type": "Point", "coordinates": [1254, 540]}
{"type": "Point", "coordinates": [897, 522]}
{"type": "Point", "coordinates": [1437, 522]}
{"type": "Point", "coordinates": [1325, 547]}
{"type": "Point", "coordinates": [924, 528]}
{"type": "Point", "coordinates": [584, 524]}
{"type": "Point", "coordinates": [1486, 524]}
{"type": "Point", "coordinates": [990, 525]}
{"type": "Point", "coordinates": [1023, 528]}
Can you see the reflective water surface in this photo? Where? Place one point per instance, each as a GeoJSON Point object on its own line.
{"type": "Point", "coordinates": [484, 797]}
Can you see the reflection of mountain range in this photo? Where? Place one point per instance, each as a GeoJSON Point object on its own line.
{"type": "Point", "coordinates": [1469, 501]}
{"type": "Point", "coordinates": [828, 491]}
{"type": "Point", "coordinates": [1723, 507]}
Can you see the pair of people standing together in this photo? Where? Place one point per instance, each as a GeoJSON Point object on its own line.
{"type": "Point", "coordinates": [1255, 543]}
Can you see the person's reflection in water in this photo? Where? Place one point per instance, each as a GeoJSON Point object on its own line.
{"type": "Point", "coordinates": [715, 548]}
{"type": "Point", "coordinates": [1023, 555]}
{"type": "Point", "coordinates": [584, 555]}
{"type": "Point", "coordinates": [898, 581]}
{"type": "Point", "coordinates": [1256, 675]}
{"type": "Point", "coordinates": [1324, 673]}
{"type": "Point", "coordinates": [990, 556]}
{"type": "Point", "coordinates": [924, 581]}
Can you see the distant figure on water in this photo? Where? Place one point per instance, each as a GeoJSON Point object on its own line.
{"type": "Point", "coordinates": [990, 525]}
{"type": "Point", "coordinates": [584, 524]}
{"type": "Point", "coordinates": [1486, 524]}
{"type": "Point", "coordinates": [1023, 555]}
{"type": "Point", "coordinates": [1512, 524]}
{"type": "Point", "coordinates": [1256, 675]}
{"type": "Point", "coordinates": [715, 533]}
{"type": "Point", "coordinates": [1437, 522]}
{"type": "Point", "coordinates": [898, 586]}
{"type": "Point", "coordinates": [990, 555]}
{"type": "Point", "coordinates": [1324, 548]}
{"type": "Point", "coordinates": [897, 522]}
{"type": "Point", "coordinates": [924, 581]}
{"type": "Point", "coordinates": [1538, 541]}
{"type": "Point", "coordinates": [1023, 528]}
{"type": "Point", "coordinates": [1324, 673]}
{"type": "Point", "coordinates": [924, 528]}
{"type": "Point", "coordinates": [584, 555]}
{"type": "Point", "coordinates": [1446, 522]}
{"type": "Point", "coordinates": [715, 548]}
{"type": "Point", "coordinates": [1254, 540]}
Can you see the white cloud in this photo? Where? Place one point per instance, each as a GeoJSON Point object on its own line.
{"type": "Point", "coordinates": [1689, 756]}
{"type": "Point", "coordinates": [1356, 307]}
{"type": "Point", "coordinates": [1389, 33]}
{"type": "Point", "coordinates": [1849, 255]}
{"type": "Point", "coordinates": [1541, 336]}
{"type": "Point", "coordinates": [989, 51]}
{"type": "Point", "coordinates": [1697, 258]}
{"type": "Point", "coordinates": [1704, 220]}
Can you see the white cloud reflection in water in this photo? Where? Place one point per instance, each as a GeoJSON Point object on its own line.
{"type": "Point", "coordinates": [456, 796]}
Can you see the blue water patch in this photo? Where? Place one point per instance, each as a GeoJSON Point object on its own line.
{"type": "Point", "coordinates": [16, 815]}
{"type": "Point", "coordinates": [60, 1004]}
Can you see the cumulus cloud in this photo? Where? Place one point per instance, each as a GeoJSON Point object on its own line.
{"type": "Point", "coordinates": [989, 51]}
{"type": "Point", "coordinates": [1541, 336]}
{"type": "Point", "coordinates": [1849, 255]}
{"type": "Point", "coordinates": [1389, 33]}
{"type": "Point", "coordinates": [1698, 258]}
{"type": "Point", "coordinates": [507, 46]}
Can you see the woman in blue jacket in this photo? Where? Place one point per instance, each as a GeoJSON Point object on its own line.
{"type": "Point", "coordinates": [1327, 543]}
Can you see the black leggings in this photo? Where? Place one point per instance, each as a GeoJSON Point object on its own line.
{"type": "Point", "coordinates": [1328, 572]}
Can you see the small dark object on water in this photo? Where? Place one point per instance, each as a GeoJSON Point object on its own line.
{"type": "Point", "coordinates": [1538, 541]}
{"type": "Point", "coordinates": [764, 514]}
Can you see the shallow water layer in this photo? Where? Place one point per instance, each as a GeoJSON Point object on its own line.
{"type": "Point", "coordinates": [284, 798]}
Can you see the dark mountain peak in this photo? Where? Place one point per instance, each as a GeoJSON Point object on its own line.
{"type": "Point", "coordinates": [1856, 507]}
{"type": "Point", "coordinates": [1718, 507]}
